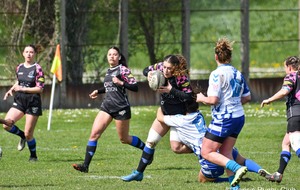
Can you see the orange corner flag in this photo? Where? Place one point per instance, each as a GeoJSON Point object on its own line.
{"type": "Point", "coordinates": [56, 67]}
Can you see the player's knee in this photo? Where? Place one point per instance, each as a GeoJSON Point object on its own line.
{"type": "Point", "coordinates": [124, 141]}
{"type": "Point", "coordinates": [179, 148]}
{"type": "Point", "coordinates": [175, 149]}
{"type": "Point", "coordinates": [203, 179]}
{"type": "Point", "coordinates": [7, 124]}
{"type": "Point", "coordinates": [7, 128]}
{"type": "Point", "coordinates": [204, 154]}
{"type": "Point", "coordinates": [153, 138]}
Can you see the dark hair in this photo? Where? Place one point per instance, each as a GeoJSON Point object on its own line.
{"type": "Point", "coordinates": [122, 59]}
{"type": "Point", "coordinates": [293, 61]}
{"type": "Point", "coordinates": [223, 50]}
{"type": "Point", "coordinates": [173, 59]}
{"type": "Point", "coordinates": [191, 106]}
{"type": "Point", "coordinates": [180, 64]}
{"type": "Point", "coordinates": [36, 48]}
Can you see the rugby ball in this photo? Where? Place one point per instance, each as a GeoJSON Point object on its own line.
{"type": "Point", "coordinates": [156, 79]}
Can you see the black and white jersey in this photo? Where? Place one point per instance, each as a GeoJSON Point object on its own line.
{"type": "Point", "coordinates": [292, 84]}
{"type": "Point", "coordinates": [173, 103]}
{"type": "Point", "coordinates": [30, 76]}
{"type": "Point", "coordinates": [115, 96]}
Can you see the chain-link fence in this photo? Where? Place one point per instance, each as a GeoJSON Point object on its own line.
{"type": "Point", "coordinates": [154, 29]}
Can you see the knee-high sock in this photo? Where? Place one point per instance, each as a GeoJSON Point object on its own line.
{"type": "Point", "coordinates": [32, 147]}
{"type": "Point", "coordinates": [15, 130]}
{"type": "Point", "coordinates": [298, 153]}
{"type": "Point", "coordinates": [285, 157]}
{"type": "Point", "coordinates": [232, 166]}
{"type": "Point", "coordinates": [136, 142]}
{"type": "Point", "coordinates": [221, 179]}
{"type": "Point", "coordinates": [90, 151]}
{"type": "Point", "coordinates": [252, 166]}
{"type": "Point", "coordinates": [147, 157]}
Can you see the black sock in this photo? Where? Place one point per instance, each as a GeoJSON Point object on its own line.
{"type": "Point", "coordinates": [90, 151]}
{"type": "Point", "coordinates": [285, 157]}
{"type": "Point", "coordinates": [32, 148]}
{"type": "Point", "coordinates": [137, 142]}
{"type": "Point", "coordinates": [15, 130]}
{"type": "Point", "coordinates": [146, 158]}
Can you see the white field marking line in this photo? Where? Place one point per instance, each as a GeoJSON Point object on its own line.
{"type": "Point", "coordinates": [107, 177]}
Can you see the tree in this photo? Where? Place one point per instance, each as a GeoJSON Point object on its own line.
{"type": "Point", "coordinates": [158, 26]}
{"type": "Point", "coordinates": [32, 23]}
{"type": "Point", "coordinates": [76, 32]}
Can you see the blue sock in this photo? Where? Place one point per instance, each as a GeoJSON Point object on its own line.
{"type": "Point", "coordinates": [252, 166]}
{"type": "Point", "coordinates": [232, 166]}
{"type": "Point", "coordinates": [147, 157]}
{"type": "Point", "coordinates": [32, 147]}
{"type": "Point", "coordinates": [298, 152]}
{"type": "Point", "coordinates": [136, 142]}
{"type": "Point", "coordinates": [221, 179]}
{"type": "Point", "coordinates": [90, 151]}
{"type": "Point", "coordinates": [285, 157]}
{"type": "Point", "coordinates": [92, 143]}
{"type": "Point", "coordinates": [15, 130]}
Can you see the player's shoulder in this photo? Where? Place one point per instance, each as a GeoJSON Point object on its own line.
{"type": "Point", "coordinates": [290, 76]}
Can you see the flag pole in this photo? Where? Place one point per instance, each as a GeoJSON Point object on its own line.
{"type": "Point", "coordinates": [51, 102]}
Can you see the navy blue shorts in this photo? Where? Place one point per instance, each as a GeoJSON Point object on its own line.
{"type": "Point", "coordinates": [219, 130]}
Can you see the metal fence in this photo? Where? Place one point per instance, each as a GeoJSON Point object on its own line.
{"type": "Point", "coordinates": [271, 37]}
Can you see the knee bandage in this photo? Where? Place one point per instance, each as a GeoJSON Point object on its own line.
{"type": "Point", "coordinates": [153, 138]}
{"type": "Point", "coordinates": [295, 141]}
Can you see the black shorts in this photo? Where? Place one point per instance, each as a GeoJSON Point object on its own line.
{"type": "Point", "coordinates": [28, 103]}
{"type": "Point", "coordinates": [293, 124]}
{"type": "Point", "coordinates": [217, 138]}
{"type": "Point", "coordinates": [122, 114]}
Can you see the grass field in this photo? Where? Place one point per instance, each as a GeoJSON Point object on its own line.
{"type": "Point", "coordinates": [65, 144]}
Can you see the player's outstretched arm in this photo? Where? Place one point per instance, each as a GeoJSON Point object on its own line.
{"type": "Point", "coordinates": [280, 94]}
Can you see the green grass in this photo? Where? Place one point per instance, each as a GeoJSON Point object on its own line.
{"type": "Point", "coordinates": [65, 144]}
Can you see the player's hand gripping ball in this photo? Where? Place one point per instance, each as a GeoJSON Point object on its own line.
{"type": "Point", "coordinates": [156, 79]}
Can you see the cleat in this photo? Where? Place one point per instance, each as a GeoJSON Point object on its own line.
{"type": "Point", "coordinates": [32, 159]}
{"type": "Point", "coordinates": [7, 122]}
{"type": "Point", "coordinates": [21, 144]}
{"type": "Point", "coordinates": [238, 176]}
{"type": "Point", "coordinates": [1, 152]}
{"type": "Point", "coordinates": [275, 177]}
{"type": "Point", "coordinates": [81, 167]}
{"type": "Point", "coordinates": [263, 172]}
{"type": "Point", "coordinates": [237, 187]}
{"type": "Point", "coordinates": [134, 176]}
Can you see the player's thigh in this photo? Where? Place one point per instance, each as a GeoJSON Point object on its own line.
{"type": "Point", "coordinates": [160, 128]}
{"type": "Point", "coordinates": [30, 124]}
{"type": "Point", "coordinates": [227, 146]}
{"type": "Point", "coordinates": [122, 127]}
{"type": "Point", "coordinates": [209, 146]}
{"type": "Point", "coordinates": [101, 122]}
{"type": "Point", "coordinates": [14, 114]}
